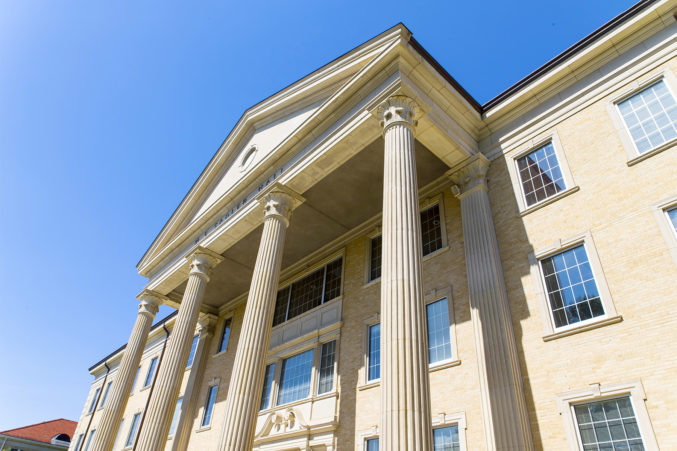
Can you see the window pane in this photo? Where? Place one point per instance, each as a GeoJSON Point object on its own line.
{"type": "Point", "coordinates": [439, 343]}
{"type": "Point", "coordinates": [281, 306]}
{"type": "Point", "coordinates": [306, 293]}
{"type": "Point", "coordinates": [540, 174]}
{"type": "Point", "coordinates": [79, 442]}
{"type": "Point", "coordinates": [89, 439]}
{"type": "Point", "coordinates": [175, 417]}
{"type": "Point", "coordinates": [209, 405]}
{"type": "Point", "coordinates": [105, 394]}
{"type": "Point", "coordinates": [374, 355]}
{"type": "Point", "coordinates": [132, 430]}
{"type": "Point", "coordinates": [571, 287]}
{"type": "Point", "coordinates": [193, 347]}
{"type": "Point", "coordinates": [375, 258]}
{"type": "Point", "coordinates": [431, 230]}
{"type": "Point", "coordinates": [647, 115]}
{"type": "Point", "coordinates": [372, 444]}
{"type": "Point", "coordinates": [446, 439]}
{"type": "Point", "coordinates": [295, 378]}
{"type": "Point", "coordinates": [327, 357]}
{"type": "Point", "coordinates": [332, 288]}
{"type": "Point", "coordinates": [223, 343]}
{"type": "Point", "coordinates": [151, 372]}
{"type": "Point", "coordinates": [95, 398]}
{"type": "Point", "coordinates": [672, 216]}
{"type": "Point", "coordinates": [609, 424]}
{"type": "Point", "coordinates": [267, 386]}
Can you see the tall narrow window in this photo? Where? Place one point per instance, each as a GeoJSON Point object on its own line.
{"type": "Point", "coordinates": [672, 217]}
{"type": "Point", "coordinates": [267, 386]}
{"type": "Point", "coordinates": [223, 343]}
{"type": "Point", "coordinates": [136, 376]}
{"type": "Point", "coordinates": [151, 372]}
{"type": "Point", "coordinates": [295, 378]}
{"type": "Point", "coordinates": [446, 439]}
{"type": "Point", "coordinates": [431, 230]}
{"type": "Point", "coordinates": [209, 406]}
{"type": "Point", "coordinates": [133, 429]}
{"type": "Point", "coordinates": [95, 398]}
{"type": "Point", "coordinates": [117, 435]}
{"type": "Point", "coordinates": [307, 293]}
{"type": "Point", "coordinates": [374, 352]}
{"type": "Point", "coordinates": [105, 394]}
{"type": "Point", "coordinates": [78, 442]}
{"type": "Point", "coordinates": [327, 359]}
{"type": "Point", "coordinates": [540, 174]}
{"type": "Point", "coordinates": [609, 424]}
{"type": "Point", "coordinates": [375, 258]}
{"type": "Point", "coordinates": [439, 342]}
{"type": "Point", "coordinates": [89, 439]}
{"type": "Point", "coordinates": [571, 287]}
{"type": "Point", "coordinates": [371, 444]}
{"type": "Point", "coordinates": [191, 355]}
{"type": "Point", "coordinates": [175, 417]}
{"type": "Point", "coordinates": [650, 116]}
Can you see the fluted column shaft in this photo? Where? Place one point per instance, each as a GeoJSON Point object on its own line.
{"type": "Point", "coordinates": [405, 391]}
{"type": "Point", "coordinates": [505, 416]}
{"type": "Point", "coordinates": [246, 380]}
{"type": "Point", "coordinates": [118, 395]}
{"type": "Point", "coordinates": [153, 435]}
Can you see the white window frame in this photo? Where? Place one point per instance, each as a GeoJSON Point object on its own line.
{"type": "Point", "coordinates": [526, 148]}
{"type": "Point", "coordinates": [600, 392]}
{"type": "Point", "coordinates": [131, 425]}
{"type": "Point", "coordinates": [364, 435]}
{"type": "Point", "coordinates": [374, 233]}
{"type": "Point", "coordinates": [220, 336]}
{"type": "Point", "coordinates": [104, 394]}
{"type": "Point", "coordinates": [196, 339]}
{"type": "Point", "coordinates": [366, 324]}
{"type": "Point", "coordinates": [442, 420]}
{"type": "Point", "coordinates": [94, 400]}
{"type": "Point", "coordinates": [621, 127]}
{"type": "Point", "coordinates": [215, 382]}
{"type": "Point", "coordinates": [660, 211]}
{"type": "Point", "coordinates": [610, 315]}
{"type": "Point", "coordinates": [147, 383]}
{"type": "Point", "coordinates": [434, 296]}
{"type": "Point", "coordinates": [177, 413]}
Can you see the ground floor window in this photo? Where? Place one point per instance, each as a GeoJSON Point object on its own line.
{"type": "Point", "coordinates": [610, 424]}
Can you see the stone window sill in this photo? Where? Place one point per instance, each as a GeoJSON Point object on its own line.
{"type": "Point", "coordinates": [369, 385]}
{"type": "Point", "coordinates": [549, 200]}
{"type": "Point", "coordinates": [330, 394]}
{"type": "Point", "coordinates": [203, 428]}
{"type": "Point", "coordinates": [443, 365]}
{"type": "Point", "coordinates": [583, 328]}
{"type": "Point", "coordinates": [652, 152]}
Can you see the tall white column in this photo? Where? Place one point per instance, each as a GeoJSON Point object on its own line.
{"type": "Point", "coordinates": [246, 381]}
{"type": "Point", "coordinates": [405, 387]}
{"type": "Point", "coordinates": [506, 422]}
{"type": "Point", "coordinates": [153, 435]}
{"type": "Point", "coordinates": [118, 395]}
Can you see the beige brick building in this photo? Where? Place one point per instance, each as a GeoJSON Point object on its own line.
{"type": "Point", "coordinates": [373, 259]}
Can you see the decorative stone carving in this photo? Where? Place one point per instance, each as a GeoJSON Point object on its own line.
{"type": "Point", "coordinates": [279, 201]}
{"type": "Point", "coordinates": [469, 175]}
{"type": "Point", "coordinates": [201, 262]}
{"type": "Point", "coordinates": [398, 110]}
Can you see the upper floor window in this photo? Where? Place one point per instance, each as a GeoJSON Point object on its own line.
{"type": "Point", "coordinates": [105, 394]}
{"type": "Point", "coordinates": [95, 398]}
{"type": "Point", "coordinates": [175, 417]}
{"type": "Point", "coordinates": [327, 360]}
{"type": "Point", "coordinates": [375, 248]}
{"type": "Point", "coordinates": [78, 442]}
{"type": "Point", "coordinates": [136, 376]}
{"type": "Point", "coordinates": [609, 424]}
{"type": "Point", "coordinates": [267, 386]}
{"type": "Point", "coordinates": [374, 352]}
{"type": "Point", "coordinates": [89, 440]}
{"type": "Point", "coordinates": [571, 287]}
{"type": "Point", "coordinates": [672, 217]}
{"type": "Point", "coordinates": [307, 293]}
{"type": "Point", "coordinates": [133, 429]}
{"type": "Point", "coordinates": [650, 116]}
{"type": "Point", "coordinates": [439, 340]}
{"type": "Point", "coordinates": [446, 439]}
{"type": "Point", "coordinates": [540, 174]}
{"type": "Point", "coordinates": [193, 348]}
{"type": "Point", "coordinates": [151, 372]}
{"type": "Point", "coordinates": [209, 406]}
{"type": "Point", "coordinates": [223, 342]}
{"type": "Point", "coordinates": [295, 377]}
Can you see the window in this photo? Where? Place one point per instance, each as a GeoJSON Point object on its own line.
{"type": "Point", "coordinates": [209, 406]}
{"type": "Point", "coordinates": [105, 394]}
{"type": "Point", "coordinates": [374, 352]}
{"type": "Point", "coordinates": [151, 372]}
{"type": "Point", "coordinates": [89, 439]}
{"type": "Point", "coordinates": [295, 378]}
{"type": "Point", "coordinates": [672, 217]}
{"type": "Point", "coordinates": [175, 417]}
{"type": "Point", "coordinates": [78, 442]}
{"type": "Point", "coordinates": [446, 439]}
{"type": "Point", "coordinates": [375, 258]}
{"type": "Point", "coordinates": [327, 358]}
{"type": "Point", "coordinates": [371, 444]}
{"type": "Point", "coordinates": [609, 424]}
{"type": "Point", "coordinates": [191, 355]}
{"type": "Point", "coordinates": [133, 428]}
{"type": "Point", "coordinates": [223, 343]}
{"type": "Point", "coordinates": [650, 116]}
{"type": "Point", "coordinates": [117, 436]}
{"type": "Point", "coordinates": [267, 386]}
{"type": "Point", "coordinates": [95, 398]}
{"type": "Point", "coordinates": [571, 287]}
{"type": "Point", "coordinates": [138, 370]}
{"type": "Point", "coordinates": [540, 174]}
{"type": "Point", "coordinates": [307, 293]}
{"type": "Point", "coordinates": [439, 341]}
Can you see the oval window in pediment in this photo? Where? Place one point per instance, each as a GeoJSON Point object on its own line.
{"type": "Point", "coordinates": [247, 157]}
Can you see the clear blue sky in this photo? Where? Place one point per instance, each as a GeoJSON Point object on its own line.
{"type": "Point", "coordinates": [110, 111]}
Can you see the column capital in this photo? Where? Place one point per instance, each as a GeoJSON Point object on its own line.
{"type": "Point", "coordinates": [469, 175]}
{"type": "Point", "coordinates": [206, 323]}
{"type": "Point", "coordinates": [398, 109]}
{"type": "Point", "coordinates": [279, 201]}
{"type": "Point", "coordinates": [150, 301]}
{"type": "Point", "coordinates": [202, 261]}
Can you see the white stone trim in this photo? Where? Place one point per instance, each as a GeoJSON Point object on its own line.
{"type": "Point", "coordinates": [445, 419]}
{"type": "Point", "coordinates": [550, 136]}
{"type": "Point", "coordinates": [610, 315]}
{"type": "Point", "coordinates": [597, 392]}
{"type": "Point", "coordinates": [660, 210]}
{"type": "Point", "coordinates": [438, 294]}
{"type": "Point", "coordinates": [364, 376]}
{"type": "Point", "coordinates": [630, 90]}
{"type": "Point", "coordinates": [364, 435]}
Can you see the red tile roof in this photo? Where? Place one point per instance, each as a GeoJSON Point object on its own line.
{"type": "Point", "coordinates": [45, 431]}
